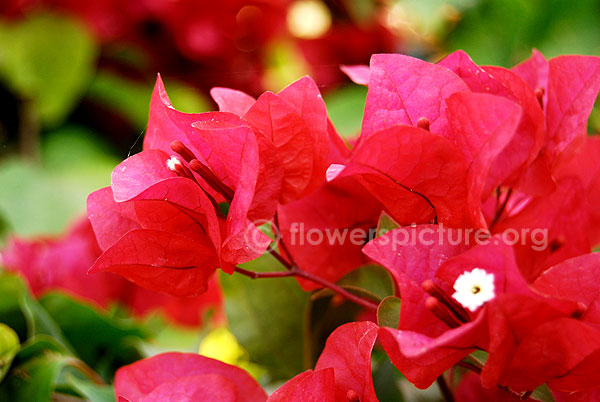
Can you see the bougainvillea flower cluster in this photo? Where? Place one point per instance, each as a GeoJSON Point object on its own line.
{"type": "Point", "coordinates": [488, 174]}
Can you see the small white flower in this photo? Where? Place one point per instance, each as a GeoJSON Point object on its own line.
{"type": "Point", "coordinates": [474, 289]}
{"type": "Point", "coordinates": [172, 163]}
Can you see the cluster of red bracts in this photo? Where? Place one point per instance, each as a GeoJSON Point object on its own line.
{"type": "Point", "coordinates": [443, 146]}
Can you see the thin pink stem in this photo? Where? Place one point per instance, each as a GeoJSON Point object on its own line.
{"type": "Point", "coordinates": [295, 271]}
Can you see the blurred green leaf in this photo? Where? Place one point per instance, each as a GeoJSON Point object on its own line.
{"type": "Point", "coordinates": [266, 317]}
{"type": "Point", "coordinates": [374, 279]}
{"type": "Point", "coordinates": [42, 199]}
{"type": "Point", "coordinates": [9, 346]}
{"type": "Point", "coordinates": [91, 391]}
{"type": "Point", "coordinates": [11, 289]}
{"type": "Point", "coordinates": [4, 229]}
{"type": "Point", "coordinates": [386, 224]}
{"type": "Point", "coordinates": [388, 312]}
{"type": "Point", "coordinates": [104, 343]}
{"type": "Point", "coordinates": [503, 32]}
{"type": "Point", "coordinates": [20, 311]}
{"type": "Point", "coordinates": [35, 370]}
{"type": "Point", "coordinates": [38, 371]}
{"type": "Point", "coordinates": [132, 99]}
{"type": "Point", "coordinates": [386, 378]}
{"type": "Point", "coordinates": [324, 314]}
{"type": "Point", "coordinates": [39, 322]}
{"type": "Point", "coordinates": [543, 393]}
{"type": "Point", "coordinates": [345, 107]}
{"type": "Point", "coordinates": [33, 380]}
{"type": "Point", "coordinates": [49, 59]}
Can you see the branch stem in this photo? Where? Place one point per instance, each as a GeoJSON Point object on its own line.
{"type": "Point", "coordinates": [297, 272]}
{"type": "Point", "coordinates": [445, 389]}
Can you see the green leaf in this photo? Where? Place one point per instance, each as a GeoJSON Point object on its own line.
{"type": "Point", "coordinates": [49, 59]}
{"type": "Point", "coordinates": [43, 368]}
{"type": "Point", "coordinates": [4, 229]}
{"type": "Point", "coordinates": [388, 312]}
{"type": "Point", "coordinates": [324, 314]}
{"type": "Point", "coordinates": [74, 164]}
{"type": "Point", "coordinates": [33, 380]}
{"type": "Point", "coordinates": [91, 391]}
{"type": "Point", "coordinates": [543, 393]}
{"type": "Point", "coordinates": [386, 224]}
{"type": "Point", "coordinates": [387, 380]}
{"type": "Point", "coordinates": [345, 108]}
{"type": "Point", "coordinates": [373, 279]}
{"type": "Point", "coordinates": [266, 317]}
{"type": "Point", "coordinates": [104, 343]}
{"type": "Point", "coordinates": [39, 322]}
{"type": "Point", "coordinates": [23, 313]}
{"type": "Point", "coordinates": [9, 346]}
{"type": "Point", "coordinates": [503, 32]}
{"type": "Point", "coordinates": [11, 289]}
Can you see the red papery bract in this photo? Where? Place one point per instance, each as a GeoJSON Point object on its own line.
{"type": "Point", "coordinates": [411, 263]}
{"type": "Point", "coordinates": [359, 74]}
{"type": "Point", "coordinates": [422, 359]}
{"type": "Point", "coordinates": [564, 353]}
{"type": "Point", "coordinates": [348, 352]}
{"type": "Point", "coordinates": [524, 146]}
{"type": "Point", "coordinates": [573, 84]}
{"type": "Point", "coordinates": [325, 231]}
{"type": "Point", "coordinates": [574, 280]}
{"type": "Point", "coordinates": [61, 264]}
{"type": "Point", "coordinates": [482, 126]}
{"type": "Point", "coordinates": [584, 164]}
{"type": "Point", "coordinates": [179, 376]}
{"type": "Point", "coordinates": [160, 261]}
{"type": "Point", "coordinates": [295, 121]}
{"type": "Point", "coordinates": [562, 215]}
{"type": "Point", "coordinates": [470, 390]}
{"type": "Point", "coordinates": [309, 386]}
{"type": "Point", "coordinates": [416, 175]}
{"type": "Point", "coordinates": [403, 89]}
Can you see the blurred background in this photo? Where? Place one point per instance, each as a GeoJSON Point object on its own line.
{"type": "Point", "coordinates": [75, 84]}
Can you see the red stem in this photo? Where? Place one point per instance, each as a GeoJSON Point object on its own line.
{"type": "Point", "coordinates": [445, 389]}
{"type": "Point", "coordinates": [297, 272]}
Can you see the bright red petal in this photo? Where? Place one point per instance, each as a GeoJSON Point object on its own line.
{"type": "Point", "coordinates": [359, 74]}
{"type": "Point", "coordinates": [413, 255]}
{"type": "Point", "coordinates": [482, 125]}
{"type": "Point", "coordinates": [403, 89]}
{"type": "Point", "coordinates": [309, 386]}
{"type": "Point", "coordinates": [576, 280]}
{"type": "Point", "coordinates": [417, 175]}
{"type": "Point", "coordinates": [422, 359]}
{"type": "Point", "coordinates": [573, 84]}
{"type": "Point", "coordinates": [325, 231]}
{"type": "Point", "coordinates": [160, 261]}
{"type": "Point", "coordinates": [550, 229]}
{"type": "Point", "coordinates": [348, 352]}
{"type": "Point", "coordinates": [110, 219]}
{"type": "Point", "coordinates": [232, 100]}
{"type": "Point", "coordinates": [140, 379]}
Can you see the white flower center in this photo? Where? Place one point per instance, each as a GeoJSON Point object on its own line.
{"type": "Point", "coordinates": [172, 163]}
{"type": "Point", "coordinates": [473, 289]}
